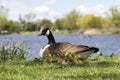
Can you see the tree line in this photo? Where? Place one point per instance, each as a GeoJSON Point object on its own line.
{"type": "Point", "coordinates": [71, 21]}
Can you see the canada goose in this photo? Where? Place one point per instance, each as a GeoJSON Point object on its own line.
{"type": "Point", "coordinates": [61, 48]}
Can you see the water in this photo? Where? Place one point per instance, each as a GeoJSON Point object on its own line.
{"type": "Point", "coordinates": [106, 43]}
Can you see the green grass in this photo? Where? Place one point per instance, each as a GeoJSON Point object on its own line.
{"type": "Point", "coordinates": [103, 68]}
{"type": "Point", "coordinates": [110, 30]}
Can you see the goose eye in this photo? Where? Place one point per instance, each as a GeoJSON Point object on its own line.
{"type": "Point", "coordinates": [43, 31]}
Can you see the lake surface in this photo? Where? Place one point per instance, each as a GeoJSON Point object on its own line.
{"type": "Point", "coordinates": [106, 43]}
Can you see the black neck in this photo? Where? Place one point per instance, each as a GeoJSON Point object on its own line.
{"type": "Point", "coordinates": [50, 38]}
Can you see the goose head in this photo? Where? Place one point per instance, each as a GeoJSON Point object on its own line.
{"type": "Point", "coordinates": [46, 32]}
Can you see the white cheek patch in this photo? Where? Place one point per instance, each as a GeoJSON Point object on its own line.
{"type": "Point", "coordinates": [47, 33]}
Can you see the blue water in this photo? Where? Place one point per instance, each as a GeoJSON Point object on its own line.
{"type": "Point", "coordinates": [106, 43]}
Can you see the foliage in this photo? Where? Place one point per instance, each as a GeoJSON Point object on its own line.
{"type": "Point", "coordinates": [12, 51]}
{"type": "Point", "coordinates": [108, 23]}
{"type": "Point", "coordinates": [29, 17]}
{"type": "Point", "coordinates": [90, 21]}
{"type": "Point", "coordinates": [96, 22]}
{"type": "Point", "coordinates": [3, 17]}
{"type": "Point", "coordinates": [13, 26]}
{"type": "Point", "coordinates": [6, 24]}
{"type": "Point", "coordinates": [46, 23]}
{"type": "Point", "coordinates": [2, 23]}
{"type": "Point", "coordinates": [71, 22]}
{"type": "Point", "coordinates": [115, 16]}
{"type": "Point", "coordinates": [3, 11]}
{"type": "Point", "coordinates": [59, 24]}
{"type": "Point", "coordinates": [37, 23]}
{"type": "Point", "coordinates": [68, 22]}
{"type": "Point", "coordinates": [27, 26]}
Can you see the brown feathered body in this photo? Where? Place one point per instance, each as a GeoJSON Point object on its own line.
{"type": "Point", "coordinates": [63, 48]}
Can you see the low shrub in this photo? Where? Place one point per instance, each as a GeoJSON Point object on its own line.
{"type": "Point", "coordinates": [13, 51]}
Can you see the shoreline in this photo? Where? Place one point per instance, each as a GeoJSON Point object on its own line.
{"type": "Point", "coordinates": [87, 31]}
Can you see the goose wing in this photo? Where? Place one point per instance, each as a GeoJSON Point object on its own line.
{"type": "Point", "coordinates": [62, 48]}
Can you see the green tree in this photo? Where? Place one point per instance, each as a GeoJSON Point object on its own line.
{"type": "Point", "coordinates": [13, 26]}
{"type": "Point", "coordinates": [3, 18]}
{"type": "Point", "coordinates": [27, 22]}
{"type": "Point", "coordinates": [69, 21]}
{"type": "Point", "coordinates": [90, 21]}
{"type": "Point", "coordinates": [58, 24]}
{"type": "Point", "coordinates": [46, 23]}
{"type": "Point", "coordinates": [115, 16]}
{"type": "Point", "coordinates": [29, 17]}
{"type": "Point", "coordinates": [38, 23]}
{"type": "Point", "coordinates": [95, 22]}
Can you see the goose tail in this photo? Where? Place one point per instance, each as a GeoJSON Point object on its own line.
{"type": "Point", "coordinates": [95, 49]}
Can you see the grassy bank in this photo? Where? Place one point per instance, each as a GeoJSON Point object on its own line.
{"type": "Point", "coordinates": [38, 32]}
{"type": "Point", "coordinates": [14, 66]}
{"type": "Point", "coordinates": [103, 68]}
{"type": "Point", "coordinates": [30, 32]}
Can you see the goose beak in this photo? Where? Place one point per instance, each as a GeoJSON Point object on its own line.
{"type": "Point", "coordinates": [39, 34]}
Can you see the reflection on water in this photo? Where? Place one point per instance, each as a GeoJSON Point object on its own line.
{"type": "Point", "coordinates": [107, 43]}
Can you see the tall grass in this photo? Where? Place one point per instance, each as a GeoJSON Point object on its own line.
{"type": "Point", "coordinates": [13, 51]}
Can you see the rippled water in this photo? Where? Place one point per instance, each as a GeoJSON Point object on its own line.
{"type": "Point", "coordinates": [107, 43]}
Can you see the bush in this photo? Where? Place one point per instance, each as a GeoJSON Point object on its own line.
{"type": "Point", "coordinates": [115, 16]}
{"type": "Point", "coordinates": [12, 51]}
{"type": "Point", "coordinates": [90, 21]}
{"type": "Point", "coordinates": [13, 26]}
